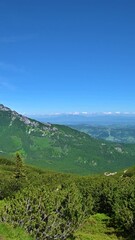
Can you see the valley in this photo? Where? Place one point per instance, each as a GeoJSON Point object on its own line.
{"type": "Point", "coordinates": [59, 147]}
{"type": "Point", "coordinates": [113, 133]}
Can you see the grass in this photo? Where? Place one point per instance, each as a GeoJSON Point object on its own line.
{"type": "Point", "coordinates": [95, 228]}
{"type": "Point", "coordinates": [7, 232]}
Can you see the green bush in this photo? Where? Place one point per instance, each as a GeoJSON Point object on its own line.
{"type": "Point", "coordinates": [45, 214]}
{"type": "Point", "coordinates": [124, 206]}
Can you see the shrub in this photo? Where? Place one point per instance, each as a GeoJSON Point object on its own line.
{"type": "Point", "coordinates": [45, 214]}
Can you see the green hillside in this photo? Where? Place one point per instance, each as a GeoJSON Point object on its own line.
{"type": "Point", "coordinates": [113, 133]}
{"type": "Point", "coordinates": [58, 147]}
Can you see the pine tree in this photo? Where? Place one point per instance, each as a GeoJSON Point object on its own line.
{"type": "Point", "coordinates": [19, 173]}
{"type": "Point", "coordinates": [19, 167]}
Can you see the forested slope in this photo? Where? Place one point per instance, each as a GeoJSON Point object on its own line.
{"type": "Point", "coordinates": [51, 205]}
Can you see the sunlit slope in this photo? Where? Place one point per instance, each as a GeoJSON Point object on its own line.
{"type": "Point", "coordinates": [114, 133]}
{"type": "Point", "coordinates": [59, 147]}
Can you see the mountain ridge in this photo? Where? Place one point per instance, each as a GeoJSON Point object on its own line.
{"type": "Point", "coordinates": [58, 147]}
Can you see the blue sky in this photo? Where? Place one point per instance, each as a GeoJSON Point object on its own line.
{"type": "Point", "coordinates": [67, 55]}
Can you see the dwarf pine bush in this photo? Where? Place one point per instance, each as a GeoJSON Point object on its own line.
{"type": "Point", "coordinates": [45, 214]}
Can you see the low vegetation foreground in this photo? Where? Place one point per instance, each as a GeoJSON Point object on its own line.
{"type": "Point", "coordinates": [41, 205]}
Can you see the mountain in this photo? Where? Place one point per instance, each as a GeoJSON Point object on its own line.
{"type": "Point", "coordinates": [59, 147]}
{"type": "Point", "coordinates": [114, 133]}
{"type": "Point", "coordinates": [93, 119]}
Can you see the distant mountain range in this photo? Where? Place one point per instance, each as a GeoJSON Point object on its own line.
{"type": "Point", "coordinates": [95, 119]}
{"type": "Point", "coordinates": [59, 147]}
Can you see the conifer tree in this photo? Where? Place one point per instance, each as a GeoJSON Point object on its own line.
{"type": "Point", "coordinates": [19, 167]}
{"type": "Point", "coordinates": [19, 172]}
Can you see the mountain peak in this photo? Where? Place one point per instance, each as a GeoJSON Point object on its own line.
{"type": "Point", "coordinates": [14, 115]}
{"type": "Point", "coordinates": [4, 108]}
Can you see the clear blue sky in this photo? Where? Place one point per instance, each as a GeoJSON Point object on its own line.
{"type": "Point", "coordinates": [67, 55]}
